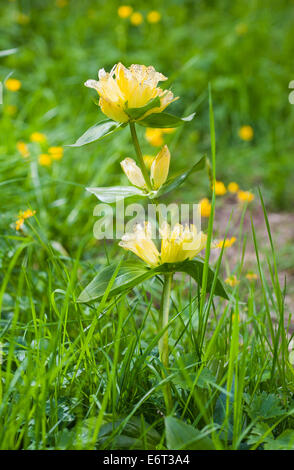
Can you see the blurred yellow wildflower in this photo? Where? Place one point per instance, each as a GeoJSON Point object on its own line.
{"type": "Point", "coordinates": [227, 243]}
{"type": "Point", "coordinates": [251, 276]}
{"type": "Point", "coordinates": [232, 281]}
{"type": "Point", "coordinates": [38, 137]}
{"type": "Point", "coordinates": [124, 11]}
{"type": "Point", "coordinates": [205, 207]}
{"type": "Point", "coordinates": [148, 159]}
{"type": "Point", "coordinates": [56, 152]}
{"type": "Point", "coordinates": [245, 196]}
{"type": "Point", "coordinates": [12, 84]}
{"type": "Point", "coordinates": [22, 216]}
{"type": "Point", "coordinates": [246, 133]}
{"type": "Point", "coordinates": [233, 187]}
{"type": "Point", "coordinates": [23, 149]}
{"type": "Point", "coordinates": [153, 16]}
{"type": "Point", "coordinates": [45, 159]}
{"type": "Point", "coordinates": [22, 18]}
{"type": "Point", "coordinates": [154, 136]}
{"type": "Point", "coordinates": [179, 244]}
{"type": "Point", "coordinates": [220, 188]}
{"type": "Point", "coordinates": [136, 18]}
{"type": "Point", "coordinates": [134, 87]}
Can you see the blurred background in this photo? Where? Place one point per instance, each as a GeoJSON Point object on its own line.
{"type": "Point", "coordinates": [243, 48]}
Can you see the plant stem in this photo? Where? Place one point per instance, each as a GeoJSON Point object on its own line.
{"type": "Point", "coordinates": [163, 342]}
{"type": "Point", "coordinates": [139, 155]}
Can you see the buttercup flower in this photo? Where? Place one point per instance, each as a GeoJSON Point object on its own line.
{"type": "Point", "coordinates": [233, 187]}
{"type": "Point", "coordinates": [134, 87]}
{"type": "Point", "coordinates": [232, 281]}
{"type": "Point", "coordinates": [158, 170]}
{"type": "Point", "coordinates": [153, 16]}
{"type": "Point", "coordinates": [136, 18]}
{"type": "Point", "coordinates": [22, 216]}
{"type": "Point", "coordinates": [23, 149]}
{"type": "Point", "coordinates": [12, 84]}
{"type": "Point", "coordinates": [45, 159]}
{"type": "Point", "coordinates": [133, 173]}
{"type": "Point", "coordinates": [124, 11]}
{"type": "Point", "coordinates": [227, 243]}
{"type": "Point", "coordinates": [56, 152]}
{"type": "Point", "coordinates": [178, 244]}
{"type": "Point", "coordinates": [205, 207]}
{"type": "Point", "coordinates": [245, 196]}
{"type": "Point", "coordinates": [38, 137]}
{"type": "Point", "coordinates": [220, 188]}
{"type": "Point", "coordinates": [246, 133]}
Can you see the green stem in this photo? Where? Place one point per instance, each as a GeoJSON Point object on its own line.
{"type": "Point", "coordinates": [139, 155]}
{"type": "Point", "coordinates": [163, 342]}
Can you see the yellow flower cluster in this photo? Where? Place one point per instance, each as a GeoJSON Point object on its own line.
{"type": "Point", "coordinates": [158, 170]}
{"type": "Point", "coordinates": [45, 159]}
{"type": "Point", "coordinates": [155, 136]}
{"type": "Point", "coordinates": [178, 244]}
{"type": "Point", "coordinates": [136, 18]}
{"type": "Point", "coordinates": [125, 88]}
{"type": "Point", "coordinates": [22, 216]}
{"type": "Point", "coordinates": [54, 153]}
{"type": "Point", "coordinates": [242, 196]}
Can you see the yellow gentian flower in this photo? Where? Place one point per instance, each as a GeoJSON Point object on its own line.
{"type": "Point", "coordinates": [179, 244]}
{"type": "Point", "coordinates": [12, 84]}
{"type": "Point", "coordinates": [124, 88]}
{"type": "Point", "coordinates": [159, 168]}
{"type": "Point", "coordinates": [133, 173]}
{"type": "Point", "coordinates": [124, 11]}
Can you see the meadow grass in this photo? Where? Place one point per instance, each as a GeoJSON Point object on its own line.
{"type": "Point", "coordinates": [88, 376]}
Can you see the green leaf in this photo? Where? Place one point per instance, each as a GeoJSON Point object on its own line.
{"type": "Point", "coordinates": [180, 435]}
{"type": "Point", "coordinates": [265, 406]}
{"type": "Point", "coordinates": [96, 132]}
{"type": "Point", "coordinates": [175, 181]}
{"type": "Point", "coordinates": [195, 269]}
{"type": "Point", "coordinates": [161, 120]}
{"type": "Point", "coordinates": [114, 193]}
{"type": "Point", "coordinates": [136, 113]}
{"type": "Point", "coordinates": [284, 441]}
{"type": "Point", "coordinates": [129, 275]}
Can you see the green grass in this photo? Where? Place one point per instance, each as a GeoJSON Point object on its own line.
{"type": "Point", "coordinates": [78, 376]}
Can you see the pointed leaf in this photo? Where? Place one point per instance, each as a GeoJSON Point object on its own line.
{"type": "Point", "coordinates": [115, 193]}
{"type": "Point", "coordinates": [161, 120]}
{"type": "Point", "coordinates": [96, 132]}
{"type": "Point", "coordinates": [136, 113]}
{"type": "Point", "coordinates": [180, 435]}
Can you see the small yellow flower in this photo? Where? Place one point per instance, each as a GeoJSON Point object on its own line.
{"type": "Point", "coordinates": [179, 244]}
{"type": "Point", "coordinates": [246, 133]}
{"type": "Point", "coordinates": [13, 84]}
{"type": "Point", "coordinates": [45, 159]}
{"type": "Point", "coordinates": [124, 11]}
{"type": "Point", "coordinates": [245, 196]}
{"type": "Point", "coordinates": [241, 28]}
{"type": "Point", "coordinates": [136, 18]}
{"type": "Point", "coordinates": [133, 173]}
{"type": "Point", "coordinates": [220, 188]}
{"type": "Point", "coordinates": [10, 109]}
{"type": "Point", "coordinates": [205, 207]}
{"type": "Point", "coordinates": [21, 218]}
{"type": "Point", "coordinates": [153, 16]}
{"type": "Point", "coordinates": [154, 136]}
{"type": "Point", "coordinates": [134, 87]}
{"type": "Point", "coordinates": [148, 159]}
{"type": "Point", "coordinates": [233, 187]}
{"type": "Point", "coordinates": [38, 137]}
{"type": "Point", "coordinates": [23, 149]}
{"type": "Point", "coordinates": [56, 152]}
{"type": "Point", "coordinates": [251, 276]}
{"type": "Point", "coordinates": [232, 281]}
{"type": "Point", "coordinates": [159, 168]}
{"type": "Point", "coordinates": [227, 243]}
